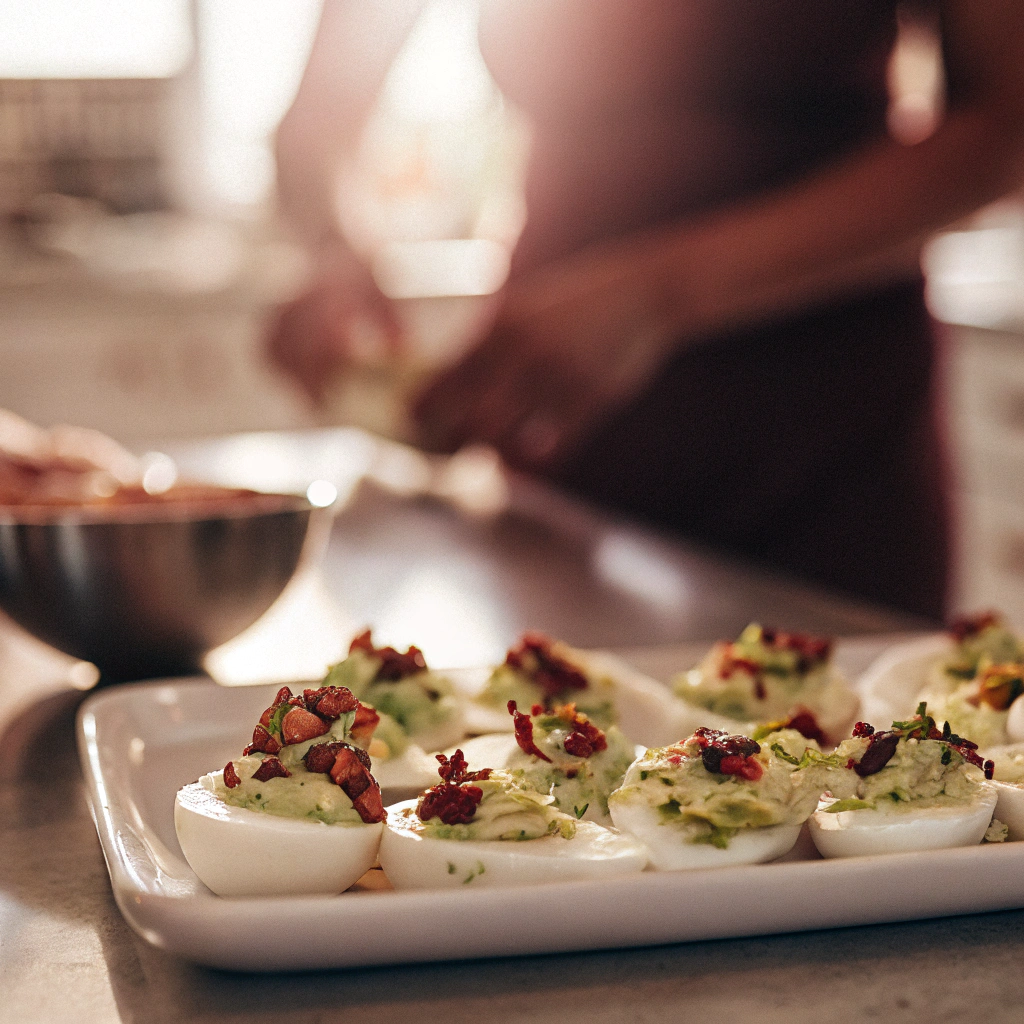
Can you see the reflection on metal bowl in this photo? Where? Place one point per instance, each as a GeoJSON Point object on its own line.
{"type": "Point", "coordinates": [146, 590]}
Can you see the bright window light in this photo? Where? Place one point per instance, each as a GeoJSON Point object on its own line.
{"type": "Point", "coordinates": [93, 38]}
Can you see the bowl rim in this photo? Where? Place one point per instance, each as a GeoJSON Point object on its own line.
{"type": "Point", "coordinates": [249, 505]}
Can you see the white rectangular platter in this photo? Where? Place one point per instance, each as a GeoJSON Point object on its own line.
{"type": "Point", "coordinates": [139, 744]}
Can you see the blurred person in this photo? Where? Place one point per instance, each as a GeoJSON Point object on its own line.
{"type": "Point", "coordinates": [715, 319]}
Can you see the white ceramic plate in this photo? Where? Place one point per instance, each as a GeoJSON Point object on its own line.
{"type": "Point", "coordinates": [140, 743]}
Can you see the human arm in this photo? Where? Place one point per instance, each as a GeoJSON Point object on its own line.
{"type": "Point", "coordinates": [342, 313]}
{"type": "Point", "coordinates": [575, 340]}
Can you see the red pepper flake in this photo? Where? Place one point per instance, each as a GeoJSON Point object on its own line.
{"type": "Point", "coordinates": [271, 768]}
{"type": "Point", "coordinates": [523, 725]}
{"type": "Point", "coordinates": [536, 658]}
{"type": "Point", "coordinates": [394, 664]}
{"type": "Point", "coordinates": [862, 729]}
{"type": "Point", "coordinates": [231, 778]}
{"type": "Point", "coordinates": [455, 800]}
{"type": "Point", "coordinates": [967, 626]}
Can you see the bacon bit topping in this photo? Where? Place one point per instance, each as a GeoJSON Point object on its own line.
{"type": "Point", "coordinates": [283, 696]}
{"type": "Point", "coordinates": [231, 778]}
{"type": "Point", "coordinates": [728, 755]}
{"type": "Point", "coordinates": [967, 626]}
{"type": "Point", "coordinates": [585, 738]}
{"type": "Point", "coordinates": [999, 686]}
{"type": "Point", "coordinates": [295, 719]}
{"type": "Point", "coordinates": [352, 773]}
{"type": "Point", "coordinates": [299, 725]}
{"type": "Point", "coordinates": [523, 725]}
{"type": "Point", "coordinates": [271, 768]}
{"type": "Point", "coordinates": [330, 702]}
{"type": "Point", "coordinates": [394, 664]}
{"type": "Point", "coordinates": [534, 657]}
{"type": "Point", "coordinates": [262, 742]}
{"type": "Point", "coordinates": [321, 757]}
{"type": "Point", "coordinates": [454, 801]}
{"type": "Point", "coordinates": [364, 723]}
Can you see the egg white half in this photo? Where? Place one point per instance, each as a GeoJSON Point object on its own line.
{"type": "Point", "coordinates": [405, 775]}
{"type": "Point", "coordinates": [670, 851]}
{"type": "Point", "coordinates": [412, 860]}
{"type": "Point", "coordinates": [864, 832]}
{"type": "Point", "coordinates": [891, 685]}
{"type": "Point", "coordinates": [1010, 808]}
{"type": "Point", "coordinates": [239, 852]}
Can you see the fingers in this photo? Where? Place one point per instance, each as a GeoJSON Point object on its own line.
{"type": "Point", "coordinates": [315, 337]}
{"type": "Point", "coordinates": [525, 408]}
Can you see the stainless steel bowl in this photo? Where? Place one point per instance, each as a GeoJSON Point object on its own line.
{"type": "Point", "coordinates": [147, 591]}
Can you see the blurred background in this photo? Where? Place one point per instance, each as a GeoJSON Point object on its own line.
{"type": "Point", "coordinates": [140, 252]}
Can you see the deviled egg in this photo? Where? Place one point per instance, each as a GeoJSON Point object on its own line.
{"type": "Point", "coordinates": [767, 675]}
{"type": "Point", "coordinates": [715, 800]}
{"type": "Point", "coordinates": [298, 813]}
{"type": "Point", "coordinates": [561, 753]}
{"type": "Point", "coordinates": [912, 787]}
{"type": "Point", "coordinates": [423, 703]}
{"type": "Point", "coordinates": [488, 828]}
{"type": "Point", "coordinates": [970, 676]}
{"type": "Point", "coordinates": [549, 673]}
{"type": "Point", "coordinates": [976, 686]}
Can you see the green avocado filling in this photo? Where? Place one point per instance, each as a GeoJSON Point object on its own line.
{"type": "Point", "coordinates": [576, 783]}
{"type": "Point", "coordinates": [304, 795]}
{"type": "Point", "coordinates": [710, 807]}
{"type": "Point", "coordinates": [921, 772]}
{"type": "Point", "coordinates": [508, 810]}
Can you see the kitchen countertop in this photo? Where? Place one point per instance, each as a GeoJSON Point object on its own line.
{"type": "Point", "coordinates": [456, 551]}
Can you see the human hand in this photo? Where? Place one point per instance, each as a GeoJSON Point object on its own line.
{"type": "Point", "coordinates": [570, 344]}
{"type": "Point", "coordinates": [341, 320]}
{"type": "Point", "coordinates": [60, 464]}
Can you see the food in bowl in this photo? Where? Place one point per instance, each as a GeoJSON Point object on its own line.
{"type": "Point", "coordinates": [132, 571]}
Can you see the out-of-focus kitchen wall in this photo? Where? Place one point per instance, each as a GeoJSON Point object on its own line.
{"type": "Point", "coordinates": [138, 251]}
